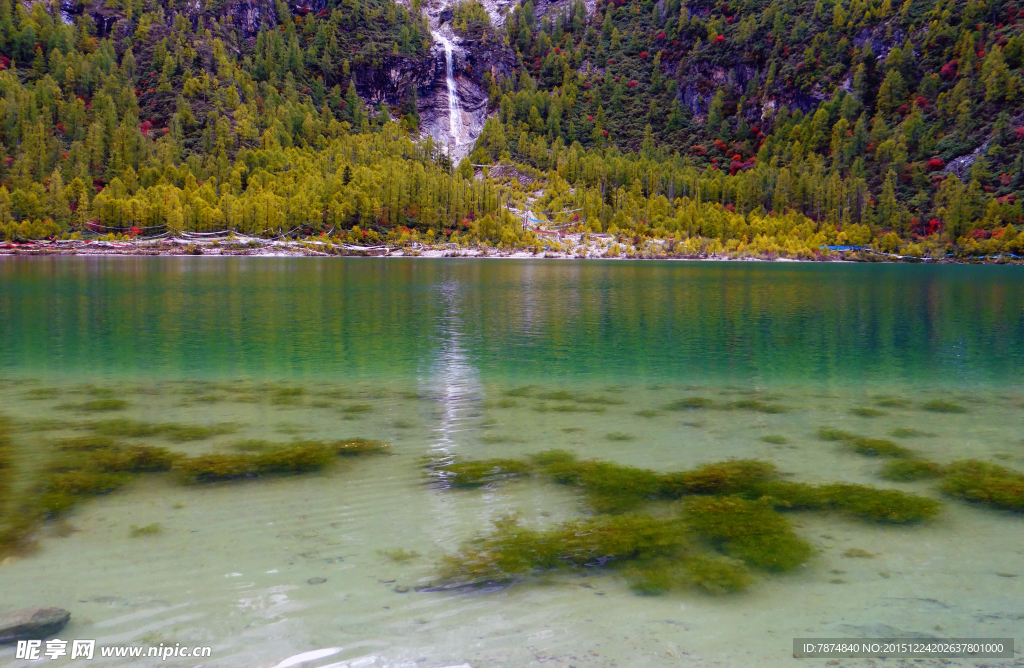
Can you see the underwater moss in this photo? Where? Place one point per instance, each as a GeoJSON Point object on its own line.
{"type": "Point", "coordinates": [756, 405]}
{"type": "Point", "coordinates": [523, 391]}
{"type": "Point", "coordinates": [148, 530]}
{"type": "Point", "coordinates": [890, 402]}
{"type": "Point", "coordinates": [689, 403]}
{"type": "Point", "coordinates": [400, 555]}
{"type": "Point", "coordinates": [904, 432]}
{"type": "Point", "coordinates": [747, 530]}
{"type": "Point", "coordinates": [872, 447]}
{"type": "Point", "coordinates": [717, 575]}
{"type": "Point", "coordinates": [940, 406]}
{"type": "Point", "coordinates": [905, 470]}
{"type": "Point", "coordinates": [610, 488]}
{"type": "Point", "coordinates": [479, 472]}
{"type": "Point", "coordinates": [42, 393]}
{"type": "Point", "coordinates": [986, 483]}
{"type": "Point", "coordinates": [352, 447]}
{"type": "Point", "coordinates": [870, 503]}
{"type": "Point", "coordinates": [647, 413]}
{"type": "Point", "coordinates": [98, 405]}
{"type": "Point", "coordinates": [62, 491]}
{"type": "Point", "coordinates": [561, 395]}
{"type": "Point", "coordinates": [864, 411]}
{"type": "Point", "coordinates": [619, 436]}
{"type": "Point", "coordinates": [175, 432]}
{"type": "Point", "coordinates": [830, 434]}
{"type": "Point", "coordinates": [513, 550]}
{"type": "Point", "coordinates": [877, 447]}
{"type": "Point", "coordinates": [857, 553]}
{"type": "Point", "coordinates": [357, 409]}
{"type": "Point", "coordinates": [300, 458]}
{"type": "Point", "coordinates": [729, 477]}
{"type": "Point", "coordinates": [777, 439]}
{"type": "Point", "coordinates": [212, 468]}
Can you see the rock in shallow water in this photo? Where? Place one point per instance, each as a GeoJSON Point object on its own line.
{"type": "Point", "coordinates": [316, 581]}
{"type": "Point", "coordinates": [32, 624]}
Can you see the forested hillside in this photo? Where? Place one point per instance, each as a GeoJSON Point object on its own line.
{"type": "Point", "coordinates": [745, 127]}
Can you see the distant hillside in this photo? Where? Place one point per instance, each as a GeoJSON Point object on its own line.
{"type": "Point", "coordinates": [768, 127]}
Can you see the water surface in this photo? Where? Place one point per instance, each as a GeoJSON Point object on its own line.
{"type": "Point", "coordinates": [433, 356]}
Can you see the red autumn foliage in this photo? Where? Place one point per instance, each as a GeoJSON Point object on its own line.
{"type": "Point", "coordinates": [1019, 132]}
{"type": "Point", "coordinates": [980, 234]}
{"type": "Point", "coordinates": [590, 118]}
{"type": "Point", "coordinates": [921, 102]}
{"type": "Point", "coordinates": [660, 35]}
{"type": "Point", "coordinates": [719, 39]}
{"type": "Point", "coordinates": [632, 84]}
{"type": "Point", "coordinates": [720, 145]}
{"type": "Point", "coordinates": [146, 126]}
{"type": "Point", "coordinates": [643, 55]}
{"type": "Point", "coordinates": [949, 70]}
{"type": "Point", "coordinates": [935, 164]}
{"type": "Point", "coordinates": [697, 149]}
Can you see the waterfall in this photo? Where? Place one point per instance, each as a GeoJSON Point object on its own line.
{"type": "Point", "coordinates": [455, 128]}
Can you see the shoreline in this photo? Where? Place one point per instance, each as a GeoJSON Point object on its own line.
{"type": "Point", "coordinates": [254, 247]}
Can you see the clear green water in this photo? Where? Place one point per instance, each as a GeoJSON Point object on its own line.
{"type": "Point", "coordinates": [424, 354]}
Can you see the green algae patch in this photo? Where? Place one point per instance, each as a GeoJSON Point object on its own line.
{"type": "Point", "coordinates": [172, 431]}
{"type": "Point", "coordinates": [357, 409]}
{"type": "Point", "coordinates": [908, 432]}
{"type": "Point", "coordinates": [354, 447]}
{"type": "Point", "coordinates": [941, 406]}
{"type": "Point", "coordinates": [302, 458]}
{"type": "Point", "coordinates": [830, 434]}
{"type": "Point", "coordinates": [870, 503]}
{"type": "Point", "coordinates": [872, 447]}
{"type": "Point", "coordinates": [619, 436]}
{"type": "Point", "coordinates": [97, 405]}
{"type": "Point", "coordinates": [890, 402]}
{"type": "Point", "coordinates": [62, 491]}
{"type": "Point", "coordinates": [610, 488]}
{"type": "Point", "coordinates": [479, 472]}
{"type": "Point", "coordinates": [148, 530]}
{"type": "Point", "coordinates": [512, 550]}
{"type": "Point", "coordinates": [748, 530]}
{"type": "Point", "coordinates": [907, 470]}
{"type": "Point", "coordinates": [756, 406]}
{"type": "Point", "coordinates": [647, 413]}
{"type": "Point", "coordinates": [42, 393]}
{"type": "Point", "coordinates": [986, 483]}
{"type": "Point", "coordinates": [689, 403]}
{"type": "Point", "coordinates": [399, 555]}
{"type": "Point", "coordinates": [864, 411]}
{"type": "Point", "coordinates": [722, 478]}
{"type": "Point", "coordinates": [877, 447]}
{"type": "Point", "coordinates": [776, 439]}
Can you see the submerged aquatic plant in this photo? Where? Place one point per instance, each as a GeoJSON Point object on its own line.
{"type": "Point", "coordinates": [97, 405]}
{"type": "Point", "coordinates": [301, 458]}
{"type": "Point", "coordinates": [722, 478]}
{"type": "Point", "coordinates": [941, 406]}
{"type": "Point", "coordinates": [172, 431]}
{"type": "Point", "coordinates": [42, 393]}
{"type": "Point", "coordinates": [749, 530]}
{"type": "Point", "coordinates": [872, 447]}
{"type": "Point", "coordinates": [890, 402]}
{"type": "Point", "coordinates": [609, 487]}
{"type": "Point", "coordinates": [864, 411]}
{"type": "Point", "coordinates": [619, 436]}
{"type": "Point", "coordinates": [400, 555]}
{"type": "Point", "coordinates": [689, 403]}
{"type": "Point", "coordinates": [870, 503]}
{"type": "Point", "coordinates": [513, 550]}
{"type": "Point", "coordinates": [148, 530]}
{"type": "Point", "coordinates": [756, 405]}
{"type": "Point", "coordinates": [351, 447]}
{"type": "Point", "coordinates": [906, 432]}
{"type": "Point", "coordinates": [777, 439]}
{"type": "Point", "coordinates": [905, 470]}
{"type": "Point", "coordinates": [986, 483]}
{"type": "Point", "coordinates": [479, 472]}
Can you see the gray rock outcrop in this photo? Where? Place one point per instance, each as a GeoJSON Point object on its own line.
{"type": "Point", "coordinates": [32, 624]}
